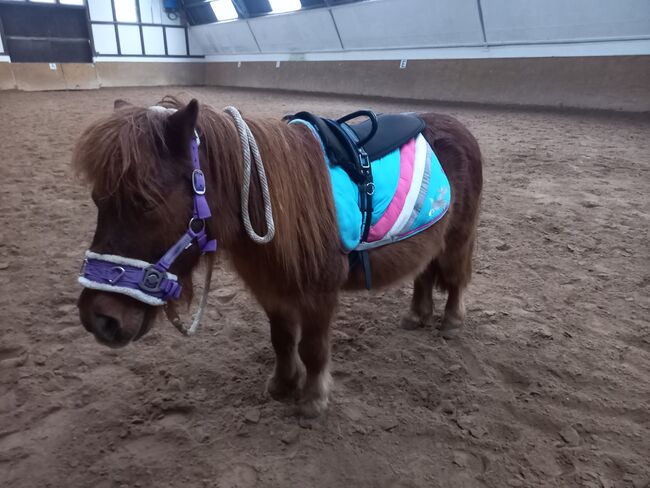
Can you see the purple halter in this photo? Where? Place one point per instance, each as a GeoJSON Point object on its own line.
{"type": "Point", "coordinates": [146, 282]}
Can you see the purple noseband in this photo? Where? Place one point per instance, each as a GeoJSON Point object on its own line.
{"type": "Point", "coordinates": [146, 282]}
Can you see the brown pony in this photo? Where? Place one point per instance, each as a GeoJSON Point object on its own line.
{"type": "Point", "coordinates": [138, 163]}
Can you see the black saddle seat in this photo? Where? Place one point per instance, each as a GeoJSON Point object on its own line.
{"type": "Point", "coordinates": [393, 131]}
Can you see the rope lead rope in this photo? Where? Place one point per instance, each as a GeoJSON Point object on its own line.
{"type": "Point", "coordinates": [172, 313]}
{"type": "Point", "coordinates": [249, 144]}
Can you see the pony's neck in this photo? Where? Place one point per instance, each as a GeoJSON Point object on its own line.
{"type": "Point", "coordinates": [301, 198]}
{"type": "Point", "coordinates": [224, 171]}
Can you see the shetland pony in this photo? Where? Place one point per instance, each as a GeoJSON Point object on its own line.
{"type": "Point", "coordinates": [137, 162]}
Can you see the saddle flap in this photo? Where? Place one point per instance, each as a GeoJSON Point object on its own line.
{"type": "Point", "coordinates": [393, 131]}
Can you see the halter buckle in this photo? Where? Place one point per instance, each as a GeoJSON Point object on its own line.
{"type": "Point", "coordinates": [364, 160]}
{"type": "Point", "coordinates": [198, 182]}
{"type": "Point", "coordinates": [152, 279]}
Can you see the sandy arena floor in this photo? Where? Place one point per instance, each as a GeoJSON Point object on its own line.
{"type": "Point", "coordinates": [548, 387]}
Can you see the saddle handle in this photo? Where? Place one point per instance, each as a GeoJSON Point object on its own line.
{"type": "Point", "coordinates": [362, 113]}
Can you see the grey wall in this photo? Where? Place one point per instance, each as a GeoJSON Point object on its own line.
{"type": "Point", "coordinates": [571, 53]}
{"type": "Point", "coordinates": [613, 83]}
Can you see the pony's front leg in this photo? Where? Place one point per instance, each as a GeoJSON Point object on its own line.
{"type": "Point", "coordinates": [284, 383]}
{"type": "Point", "coordinates": [314, 350]}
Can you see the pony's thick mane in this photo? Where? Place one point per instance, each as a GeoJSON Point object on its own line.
{"type": "Point", "coordinates": [301, 195]}
{"type": "Point", "coordinates": [123, 158]}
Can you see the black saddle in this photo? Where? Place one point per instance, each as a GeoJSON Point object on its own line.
{"type": "Point", "coordinates": [347, 144]}
{"type": "Point", "coordinates": [354, 146]}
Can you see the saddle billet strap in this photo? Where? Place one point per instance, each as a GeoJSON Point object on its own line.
{"type": "Point", "coordinates": [367, 186]}
{"type": "Point", "coordinates": [361, 258]}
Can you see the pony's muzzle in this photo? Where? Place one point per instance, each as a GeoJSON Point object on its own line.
{"type": "Point", "coordinates": [107, 329]}
{"type": "Point", "coordinates": [111, 318]}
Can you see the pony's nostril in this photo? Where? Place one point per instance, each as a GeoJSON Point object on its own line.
{"type": "Point", "coordinates": [108, 328]}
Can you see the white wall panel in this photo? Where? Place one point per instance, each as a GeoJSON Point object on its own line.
{"type": "Point", "coordinates": [553, 20]}
{"type": "Point", "coordinates": [176, 41]}
{"type": "Point", "coordinates": [196, 46]}
{"type": "Point", "coordinates": [310, 30]}
{"type": "Point", "coordinates": [129, 39]}
{"type": "Point", "coordinates": [154, 40]}
{"type": "Point", "coordinates": [409, 23]}
{"type": "Point", "coordinates": [100, 10]}
{"type": "Point", "coordinates": [104, 39]}
{"type": "Point", "coordinates": [225, 38]}
{"type": "Point", "coordinates": [150, 11]}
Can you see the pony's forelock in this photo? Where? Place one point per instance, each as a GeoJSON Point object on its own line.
{"type": "Point", "coordinates": [119, 155]}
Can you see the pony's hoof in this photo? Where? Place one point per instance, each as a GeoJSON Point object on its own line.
{"type": "Point", "coordinates": [285, 391]}
{"type": "Point", "coordinates": [450, 333]}
{"type": "Point", "coordinates": [311, 409]}
{"type": "Point", "coordinates": [411, 322]}
{"type": "Point", "coordinates": [450, 328]}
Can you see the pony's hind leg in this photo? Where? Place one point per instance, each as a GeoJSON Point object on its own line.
{"type": "Point", "coordinates": [454, 317]}
{"type": "Point", "coordinates": [284, 383]}
{"type": "Point", "coordinates": [314, 350]}
{"type": "Point", "coordinates": [454, 270]}
{"type": "Point", "coordinates": [421, 311]}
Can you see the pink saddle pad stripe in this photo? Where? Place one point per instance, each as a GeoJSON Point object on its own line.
{"type": "Point", "coordinates": [386, 222]}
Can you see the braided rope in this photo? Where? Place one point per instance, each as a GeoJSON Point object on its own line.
{"type": "Point", "coordinates": [249, 144]}
{"type": "Point", "coordinates": [172, 313]}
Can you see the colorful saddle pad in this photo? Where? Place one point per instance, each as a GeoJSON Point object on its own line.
{"type": "Point", "coordinates": [411, 194]}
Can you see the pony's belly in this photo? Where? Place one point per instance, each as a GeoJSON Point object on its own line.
{"type": "Point", "coordinates": [401, 260]}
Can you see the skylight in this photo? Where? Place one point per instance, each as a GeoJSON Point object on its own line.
{"type": "Point", "coordinates": [224, 10]}
{"type": "Point", "coordinates": [279, 6]}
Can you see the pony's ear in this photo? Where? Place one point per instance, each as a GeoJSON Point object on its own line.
{"type": "Point", "coordinates": [119, 104]}
{"type": "Point", "coordinates": [180, 127]}
{"type": "Point", "coordinates": [183, 121]}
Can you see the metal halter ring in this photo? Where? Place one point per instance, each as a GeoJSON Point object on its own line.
{"type": "Point", "coordinates": [370, 189]}
{"type": "Point", "coordinates": [190, 226]}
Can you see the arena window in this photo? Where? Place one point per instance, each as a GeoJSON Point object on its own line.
{"type": "Point", "coordinates": [224, 10]}
{"type": "Point", "coordinates": [125, 11]}
{"type": "Point", "coordinates": [280, 6]}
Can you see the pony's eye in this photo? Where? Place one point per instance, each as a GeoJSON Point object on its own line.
{"type": "Point", "coordinates": [149, 207]}
{"type": "Point", "coordinates": [145, 205]}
